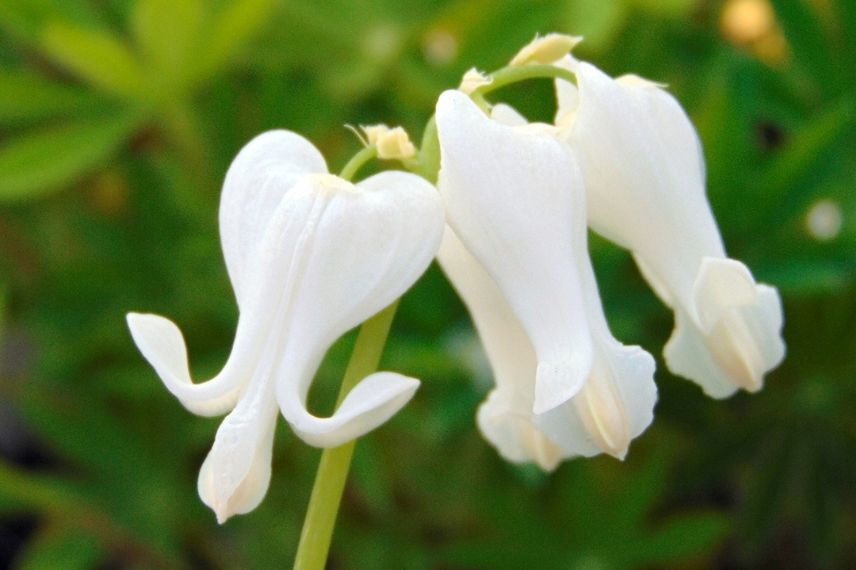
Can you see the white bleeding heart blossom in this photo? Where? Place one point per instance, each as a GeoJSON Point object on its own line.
{"type": "Point", "coordinates": [644, 175]}
{"type": "Point", "coordinates": [310, 256]}
{"type": "Point", "coordinates": [516, 252]}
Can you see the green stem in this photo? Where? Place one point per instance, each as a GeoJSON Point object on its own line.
{"type": "Point", "coordinates": [333, 470]}
{"type": "Point", "coordinates": [357, 161]}
{"type": "Point", "coordinates": [513, 74]}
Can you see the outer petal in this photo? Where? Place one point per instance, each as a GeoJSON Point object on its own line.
{"type": "Point", "coordinates": [644, 174]}
{"type": "Point", "coordinates": [510, 196]}
{"type": "Point", "coordinates": [362, 247]}
{"type": "Point", "coordinates": [262, 173]}
{"type": "Point", "coordinates": [269, 271]}
{"type": "Point", "coordinates": [505, 418]}
{"type": "Point", "coordinates": [265, 169]}
{"type": "Point", "coordinates": [642, 163]}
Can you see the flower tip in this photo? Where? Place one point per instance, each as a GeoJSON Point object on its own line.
{"type": "Point", "coordinates": [472, 80]}
{"type": "Point", "coordinates": [546, 50]}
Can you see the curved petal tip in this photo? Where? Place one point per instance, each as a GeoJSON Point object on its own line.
{"type": "Point", "coordinates": [369, 404]}
{"type": "Point", "coordinates": [161, 343]}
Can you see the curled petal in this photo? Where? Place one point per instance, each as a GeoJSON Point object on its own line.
{"type": "Point", "coordinates": [511, 195]}
{"type": "Point", "coordinates": [567, 94]}
{"type": "Point", "coordinates": [369, 404]}
{"type": "Point", "coordinates": [162, 344]}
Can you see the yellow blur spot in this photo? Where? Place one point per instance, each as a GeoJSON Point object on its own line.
{"type": "Point", "coordinates": [752, 24]}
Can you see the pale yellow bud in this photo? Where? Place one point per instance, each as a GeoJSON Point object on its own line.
{"type": "Point", "coordinates": [472, 80]}
{"type": "Point", "coordinates": [549, 49]}
{"type": "Point", "coordinates": [391, 143]}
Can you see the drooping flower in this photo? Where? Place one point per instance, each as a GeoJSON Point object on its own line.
{"type": "Point", "coordinates": [644, 175]}
{"type": "Point", "coordinates": [310, 256]}
{"type": "Point", "coordinates": [516, 252]}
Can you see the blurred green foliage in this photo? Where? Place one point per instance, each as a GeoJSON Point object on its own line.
{"type": "Point", "coordinates": [118, 119]}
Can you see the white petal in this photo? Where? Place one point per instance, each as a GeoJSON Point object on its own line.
{"type": "Point", "coordinates": [507, 115]}
{"type": "Point", "coordinates": [235, 475]}
{"type": "Point", "coordinates": [265, 169]}
{"type": "Point", "coordinates": [511, 197]}
{"type": "Point", "coordinates": [514, 434]}
{"type": "Point", "coordinates": [721, 284]}
{"type": "Point", "coordinates": [505, 418]}
{"type": "Point", "coordinates": [361, 248]}
{"type": "Point", "coordinates": [268, 275]}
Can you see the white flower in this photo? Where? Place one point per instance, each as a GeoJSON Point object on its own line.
{"type": "Point", "coordinates": [645, 184]}
{"type": "Point", "coordinates": [310, 256]}
{"type": "Point", "coordinates": [517, 254]}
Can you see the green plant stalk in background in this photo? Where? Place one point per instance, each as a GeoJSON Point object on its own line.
{"type": "Point", "coordinates": [335, 463]}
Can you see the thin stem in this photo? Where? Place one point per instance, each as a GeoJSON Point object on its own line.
{"type": "Point", "coordinates": [513, 74]}
{"type": "Point", "coordinates": [428, 164]}
{"type": "Point", "coordinates": [333, 469]}
{"type": "Point", "coordinates": [357, 161]}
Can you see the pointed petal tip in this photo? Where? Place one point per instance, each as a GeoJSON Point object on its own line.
{"type": "Point", "coordinates": [558, 382]}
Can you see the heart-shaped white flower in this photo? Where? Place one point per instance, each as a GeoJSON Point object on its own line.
{"type": "Point", "coordinates": [310, 256]}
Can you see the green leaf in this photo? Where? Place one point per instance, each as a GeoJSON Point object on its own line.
{"type": "Point", "coordinates": [807, 39]}
{"type": "Point", "coordinates": [95, 56]}
{"type": "Point", "coordinates": [787, 180]}
{"type": "Point", "coordinates": [168, 35]}
{"type": "Point", "coordinates": [26, 96]}
{"type": "Point", "coordinates": [24, 19]}
{"type": "Point", "coordinates": [61, 548]}
{"type": "Point", "coordinates": [234, 26]}
{"type": "Point", "coordinates": [38, 162]}
{"type": "Point", "coordinates": [684, 537]}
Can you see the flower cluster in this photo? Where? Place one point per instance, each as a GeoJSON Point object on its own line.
{"type": "Point", "coordinates": [311, 255]}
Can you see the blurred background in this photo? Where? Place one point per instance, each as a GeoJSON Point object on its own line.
{"type": "Point", "coordinates": [118, 120]}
